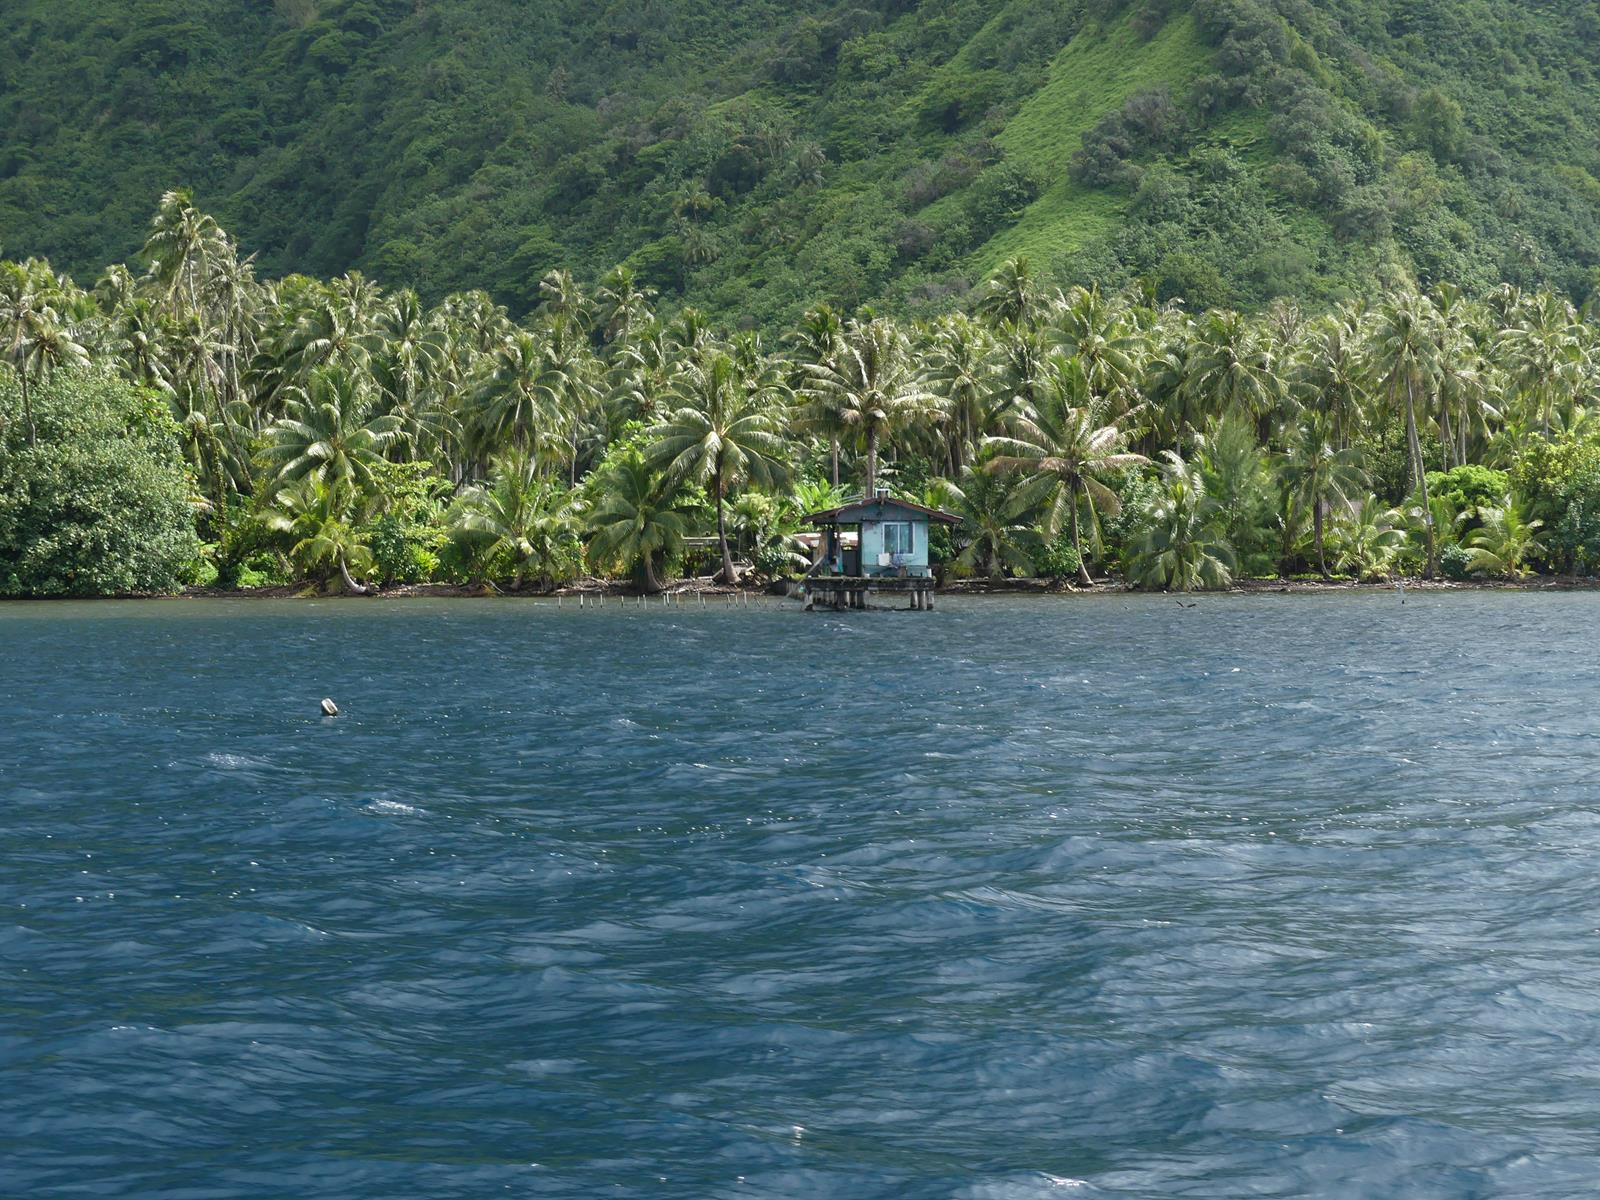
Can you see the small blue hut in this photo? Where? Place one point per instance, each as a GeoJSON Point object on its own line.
{"type": "Point", "coordinates": [874, 545]}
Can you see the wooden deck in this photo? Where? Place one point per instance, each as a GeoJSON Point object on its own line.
{"type": "Point", "coordinates": [854, 591]}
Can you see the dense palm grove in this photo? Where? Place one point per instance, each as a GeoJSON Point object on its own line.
{"type": "Point", "coordinates": [185, 422]}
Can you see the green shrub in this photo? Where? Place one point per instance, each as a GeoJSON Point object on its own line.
{"type": "Point", "coordinates": [401, 553]}
{"type": "Point", "coordinates": [100, 505]}
{"type": "Point", "coordinates": [773, 561]}
{"type": "Point", "coordinates": [1454, 562]}
{"type": "Point", "coordinates": [1058, 559]}
{"type": "Point", "coordinates": [1468, 488]}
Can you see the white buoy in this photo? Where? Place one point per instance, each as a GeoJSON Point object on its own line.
{"type": "Point", "coordinates": [329, 708]}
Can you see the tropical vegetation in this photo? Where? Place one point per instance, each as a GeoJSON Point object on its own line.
{"type": "Point", "coordinates": [183, 421]}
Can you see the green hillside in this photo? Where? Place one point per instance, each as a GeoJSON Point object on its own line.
{"type": "Point", "coordinates": [752, 157]}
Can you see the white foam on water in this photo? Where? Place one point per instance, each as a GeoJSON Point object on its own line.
{"type": "Point", "coordinates": [395, 807]}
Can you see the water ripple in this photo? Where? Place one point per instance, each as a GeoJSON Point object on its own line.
{"type": "Point", "coordinates": [1277, 896]}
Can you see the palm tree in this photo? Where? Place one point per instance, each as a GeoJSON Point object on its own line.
{"type": "Point", "coordinates": [1546, 354]}
{"type": "Point", "coordinates": [816, 342]}
{"type": "Point", "coordinates": [1234, 466]}
{"type": "Point", "coordinates": [405, 368]}
{"type": "Point", "coordinates": [1178, 550]}
{"type": "Point", "coordinates": [44, 344]}
{"type": "Point", "coordinates": [315, 515]}
{"type": "Point", "coordinates": [961, 373]}
{"type": "Point", "coordinates": [1108, 346]}
{"type": "Point", "coordinates": [1368, 537]}
{"type": "Point", "coordinates": [1319, 477]}
{"type": "Point", "coordinates": [1011, 295]}
{"type": "Point", "coordinates": [724, 432]}
{"type": "Point", "coordinates": [561, 296]}
{"type": "Point", "coordinates": [521, 515]}
{"type": "Point", "coordinates": [141, 345]}
{"type": "Point", "coordinates": [1064, 454]}
{"type": "Point", "coordinates": [515, 402]}
{"type": "Point", "coordinates": [1231, 366]}
{"type": "Point", "coordinates": [182, 243]}
{"type": "Point", "coordinates": [993, 510]}
{"type": "Point", "coordinates": [1505, 541]}
{"type": "Point", "coordinates": [24, 291]}
{"type": "Point", "coordinates": [623, 306]}
{"type": "Point", "coordinates": [872, 388]}
{"type": "Point", "coordinates": [1405, 357]}
{"type": "Point", "coordinates": [329, 434]}
{"type": "Point", "coordinates": [638, 521]}
{"type": "Point", "coordinates": [1328, 373]}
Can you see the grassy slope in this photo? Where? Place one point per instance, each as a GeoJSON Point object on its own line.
{"type": "Point", "coordinates": [1099, 69]}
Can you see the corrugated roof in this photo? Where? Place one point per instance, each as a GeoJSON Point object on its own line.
{"type": "Point", "coordinates": [832, 516]}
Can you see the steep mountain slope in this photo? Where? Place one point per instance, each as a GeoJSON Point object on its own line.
{"type": "Point", "coordinates": [754, 156]}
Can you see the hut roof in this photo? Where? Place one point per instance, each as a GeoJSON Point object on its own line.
{"type": "Point", "coordinates": [857, 509]}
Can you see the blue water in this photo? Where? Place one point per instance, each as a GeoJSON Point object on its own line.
{"type": "Point", "coordinates": [1276, 896]}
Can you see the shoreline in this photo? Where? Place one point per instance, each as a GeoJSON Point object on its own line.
{"type": "Point", "coordinates": [595, 589]}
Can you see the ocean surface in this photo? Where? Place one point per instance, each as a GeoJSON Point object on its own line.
{"type": "Point", "coordinates": [1273, 896]}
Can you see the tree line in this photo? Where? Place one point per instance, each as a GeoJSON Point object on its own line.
{"type": "Point", "coordinates": [335, 432]}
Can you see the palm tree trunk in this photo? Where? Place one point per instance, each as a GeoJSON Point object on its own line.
{"type": "Point", "coordinates": [1077, 542]}
{"type": "Point", "coordinates": [1316, 536]}
{"type": "Point", "coordinates": [348, 580]}
{"type": "Point", "coordinates": [652, 581]}
{"type": "Point", "coordinates": [1414, 445]}
{"type": "Point", "coordinates": [871, 489]}
{"type": "Point", "coordinates": [835, 454]}
{"type": "Point", "coordinates": [729, 575]}
{"type": "Point", "coordinates": [27, 408]}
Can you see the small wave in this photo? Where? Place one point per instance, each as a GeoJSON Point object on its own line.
{"type": "Point", "coordinates": [395, 808]}
{"type": "Point", "coordinates": [234, 762]}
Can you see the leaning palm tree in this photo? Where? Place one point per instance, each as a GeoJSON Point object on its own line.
{"type": "Point", "coordinates": [872, 388]}
{"type": "Point", "coordinates": [639, 520]}
{"type": "Point", "coordinates": [1178, 551]}
{"type": "Point", "coordinates": [725, 431]}
{"type": "Point", "coordinates": [521, 515]}
{"type": "Point", "coordinates": [315, 515]}
{"type": "Point", "coordinates": [1064, 454]}
{"type": "Point", "coordinates": [329, 433]}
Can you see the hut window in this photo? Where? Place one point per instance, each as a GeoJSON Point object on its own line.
{"type": "Point", "coordinates": [897, 537]}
